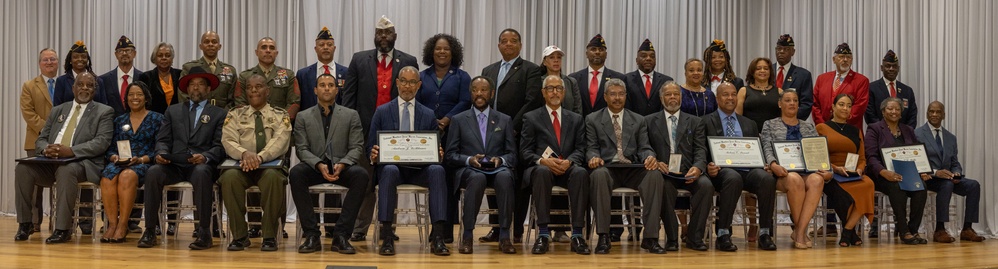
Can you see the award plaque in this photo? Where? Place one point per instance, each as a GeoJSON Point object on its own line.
{"type": "Point", "coordinates": [124, 152]}
{"type": "Point", "coordinates": [414, 148]}
{"type": "Point", "coordinates": [852, 159]}
{"type": "Point", "coordinates": [789, 155]}
{"type": "Point", "coordinates": [915, 153]}
{"type": "Point", "coordinates": [815, 150]}
{"type": "Point", "coordinates": [675, 162]}
{"type": "Point", "coordinates": [736, 152]}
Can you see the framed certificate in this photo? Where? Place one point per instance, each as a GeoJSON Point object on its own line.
{"type": "Point", "coordinates": [915, 153]}
{"type": "Point", "coordinates": [736, 152]}
{"type": "Point", "coordinates": [417, 147]}
{"type": "Point", "coordinates": [815, 150]}
{"type": "Point", "coordinates": [788, 154]}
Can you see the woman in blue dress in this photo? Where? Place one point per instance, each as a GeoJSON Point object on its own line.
{"type": "Point", "coordinates": [697, 99]}
{"type": "Point", "coordinates": [445, 87]}
{"type": "Point", "coordinates": [121, 177]}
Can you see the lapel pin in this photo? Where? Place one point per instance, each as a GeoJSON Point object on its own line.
{"type": "Point", "coordinates": [62, 117]}
{"type": "Point", "coordinates": [205, 118]}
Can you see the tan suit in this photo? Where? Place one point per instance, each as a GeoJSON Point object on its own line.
{"type": "Point", "coordinates": [35, 107]}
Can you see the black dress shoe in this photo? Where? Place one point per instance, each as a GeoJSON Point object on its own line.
{"type": "Point", "coordinates": [874, 228]}
{"type": "Point", "coordinates": [437, 247]}
{"type": "Point", "coordinates": [541, 245]}
{"type": "Point", "coordinates": [921, 241]}
{"type": "Point", "coordinates": [766, 242]}
{"type": "Point", "coordinates": [159, 230]}
{"type": "Point", "coordinates": [614, 237]}
{"type": "Point", "coordinates": [203, 242]}
{"type": "Point", "coordinates": [358, 237]}
{"type": "Point", "coordinates": [86, 228]}
{"type": "Point", "coordinates": [579, 245]}
{"type": "Point", "coordinates": [253, 233]}
{"type": "Point", "coordinates": [697, 245]}
{"type": "Point", "coordinates": [603, 244]}
{"type": "Point", "coordinates": [216, 233]}
{"type": "Point", "coordinates": [492, 236]}
{"type": "Point", "coordinates": [269, 244]}
{"type": "Point", "coordinates": [342, 245]}
{"type": "Point", "coordinates": [171, 229]}
{"type": "Point", "coordinates": [23, 231]}
{"type": "Point", "coordinates": [387, 247]}
{"type": "Point", "coordinates": [466, 246]}
{"type": "Point", "coordinates": [284, 234]}
{"type": "Point", "coordinates": [518, 239]}
{"type": "Point", "coordinates": [58, 236]}
{"type": "Point", "coordinates": [239, 244]}
{"type": "Point", "coordinates": [330, 235]}
{"type": "Point", "coordinates": [133, 227]}
{"type": "Point", "coordinates": [651, 244]}
{"type": "Point", "coordinates": [724, 243]}
{"type": "Point", "coordinates": [197, 231]}
{"type": "Point", "coordinates": [672, 245]}
{"type": "Point", "coordinates": [312, 244]}
{"type": "Point", "coordinates": [148, 240]}
{"type": "Point", "coordinates": [506, 246]}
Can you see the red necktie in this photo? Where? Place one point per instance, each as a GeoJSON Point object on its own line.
{"type": "Point", "coordinates": [557, 126]}
{"type": "Point", "coordinates": [779, 79]}
{"type": "Point", "coordinates": [715, 78]}
{"type": "Point", "coordinates": [327, 68]}
{"type": "Point", "coordinates": [647, 86]}
{"type": "Point", "coordinates": [124, 87]}
{"type": "Point", "coordinates": [384, 56]}
{"type": "Point", "coordinates": [837, 83]}
{"type": "Point", "coordinates": [593, 88]}
{"type": "Point", "coordinates": [894, 92]}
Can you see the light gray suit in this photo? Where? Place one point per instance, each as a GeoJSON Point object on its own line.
{"type": "Point", "coordinates": [90, 141]}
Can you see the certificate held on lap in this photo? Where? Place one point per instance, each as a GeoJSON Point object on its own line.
{"type": "Point", "coordinates": [408, 147]}
{"type": "Point", "coordinates": [736, 152]}
{"type": "Point", "coordinates": [915, 153]}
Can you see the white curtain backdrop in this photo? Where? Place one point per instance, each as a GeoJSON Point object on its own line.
{"type": "Point", "coordinates": [946, 47]}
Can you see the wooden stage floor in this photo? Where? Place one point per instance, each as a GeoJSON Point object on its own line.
{"type": "Point", "coordinates": [86, 253]}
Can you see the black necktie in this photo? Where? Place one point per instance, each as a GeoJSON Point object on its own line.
{"type": "Point", "coordinates": [261, 138]}
{"type": "Point", "coordinates": [939, 140]}
{"type": "Point", "coordinates": [194, 114]}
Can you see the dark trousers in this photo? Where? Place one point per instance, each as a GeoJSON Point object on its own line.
{"type": "Point", "coordinates": [431, 176]}
{"type": "Point", "coordinates": [576, 180]}
{"type": "Point", "coordinates": [202, 178]}
{"type": "Point", "coordinates": [730, 182]}
{"type": "Point", "coordinates": [945, 189]}
{"type": "Point", "coordinates": [474, 183]}
{"type": "Point", "coordinates": [354, 177]}
{"type": "Point", "coordinates": [904, 222]}
{"type": "Point", "coordinates": [701, 191]}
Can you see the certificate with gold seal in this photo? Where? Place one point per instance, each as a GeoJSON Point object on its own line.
{"type": "Point", "coordinates": [915, 153]}
{"type": "Point", "coordinates": [736, 152]}
{"type": "Point", "coordinates": [416, 147]}
{"type": "Point", "coordinates": [789, 155]}
{"type": "Point", "coordinates": [815, 150]}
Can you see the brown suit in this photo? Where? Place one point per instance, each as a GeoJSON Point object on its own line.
{"type": "Point", "coordinates": [35, 107]}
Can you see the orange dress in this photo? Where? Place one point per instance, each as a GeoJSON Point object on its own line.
{"type": "Point", "coordinates": [839, 146]}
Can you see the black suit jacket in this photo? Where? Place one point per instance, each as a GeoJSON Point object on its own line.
{"type": "Point", "coordinates": [176, 136]}
{"type": "Point", "coordinates": [712, 126]}
{"type": "Point", "coordinates": [690, 140]}
{"type": "Point", "coordinates": [361, 90]}
{"type": "Point", "coordinates": [602, 143]}
{"type": "Point", "coordinates": [637, 100]}
{"type": "Point", "coordinates": [879, 92]}
{"type": "Point", "coordinates": [158, 102]}
{"type": "Point", "coordinates": [582, 76]}
{"type": "Point", "coordinates": [519, 91]}
{"type": "Point", "coordinates": [799, 79]}
{"type": "Point", "coordinates": [464, 140]}
{"type": "Point", "coordinates": [108, 92]}
{"type": "Point", "coordinates": [538, 134]}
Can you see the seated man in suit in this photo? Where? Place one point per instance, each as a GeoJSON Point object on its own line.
{"type": "Point", "coordinates": [79, 129]}
{"type": "Point", "coordinates": [405, 114]}
{"type": "Point", "coordinates": [730, 182]}
{"type": "Point", "coordinates": [481, 145]}
{"type": "Point", "coordinates": [553, 146]}
{"type": "Point", "coordinates": [193, 128]}
{"type": "Point", "coordinates": [675, 132]}
{"type": "Point", "coordinates": [329, 142]}
{"type": "Point", "coordinates": [947, 176]}
{"type": "Point", "coordinates": [617, 136]}
{"type": "Point", "coordinates": [255, 134]}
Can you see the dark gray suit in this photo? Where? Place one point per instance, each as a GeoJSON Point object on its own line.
{"type": "Point", "coordinates": [90, 141]}
{"type": "Point", "coordinates": [602, 143]}
{"type": "Point", "coordinates": [464, 141]}
{"type": "Point", "coordinates": [691, 143]}
{"type": "Point", "coordinates": [538, 134]}
{"type": "Point", "coordinates": [343, 144]}
{"type": "Point", "coordinates": [946, 158]}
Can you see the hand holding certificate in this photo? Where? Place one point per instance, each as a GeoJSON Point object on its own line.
{"type": "Point", "coordinates": [815, 151]}
{"type": "Point", "coordinates": [736, 152]}
{"type": "Point", "coordinates": [789, 155]}
{"type": "Point", "coordinates": [419, 147]}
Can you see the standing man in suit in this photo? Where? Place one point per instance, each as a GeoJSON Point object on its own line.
{"type": "Point", "coordinates": [643, 84]}
{"type": "Point", "coordinates": [329, 142]}
{"type": "Point", "coordinates": [730, 182]}
{"type": "Point", "coordinates": [553, 147]}
{"type": "Point", "coordinates": [790, 76]}
{"type": "Point", "coordinates": [405, 114]}
{"type": "Point", "coordinates": [225, 73]}
{"type": "Point", "coordinates": [675, 132]}
{"type": "Point", "coordinates": [947, 176]}
{"type": "Point", "coordinates": [617, 136]}
{"type": "Point", "coordinates": [325, 46]}
{"type": "Point", "coordinates": [192, 127]}
{"type": "Point", "coordinates": [841, 80]}
{"type": "Point", "coordinates": [888, 86]}
{"type": "Point", "coordinates": [517, 91]}
{"type": "Point", "coordinates": [115, 82]}
{"type": "Point", "coordinates": [255, 134]}
{"type": "Point", "coordinates": [79, 129]}
{"type": "Point", "coordinates": [371, 83]}
{"type": "Point", "coordinates": [592, 78]}
{"type": "Point", "coordinates": [36, 103]}
{"type": "Point", "coordinates": [481, 145]}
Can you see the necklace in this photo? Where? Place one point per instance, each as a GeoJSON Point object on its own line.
{"type": "Point", "coordinates": [763, 90]}
{"type": "Point", "coordinates": [696, 107]}
{"type": "Point", "coordinates": [839, 126]}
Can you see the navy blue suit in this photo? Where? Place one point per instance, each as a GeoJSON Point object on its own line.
{"type": "Point", "coordinates": [879, 91]}
{"type": "Point", "coordinates": [108, 90]}
{"type": "Point", "coordinates": [448, 99]}
{"type": "Point", "coordinates": [306, 84]}
{"type": "Point", "coordinates": [464, 140]}
{"type": "Point", "coordinates": [800, 80]}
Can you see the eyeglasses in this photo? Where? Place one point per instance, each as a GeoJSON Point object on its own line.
{"type": "Point", "coordinates": [124, 51]}
{"type": "Point", "coordinates": [403, 82]}
{"type": "Point", "coordinates": [616, 94]}
{"type": "Point", "coordinates": [554, 88]}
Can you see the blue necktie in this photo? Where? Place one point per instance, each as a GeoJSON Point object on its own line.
{"type": "Point", "coordinates": [194, 115]}
{"type": "Point", "coordinates": [673, 129]}
{"type": "Point", "coordinates": [404, 126]}
{"type": "Point", "coordinates": [481, 127]}
{"type": "Point", "coordinates": [502, 74]}
{"type": "Point", "coordinates": [729, 129]}
{"type": "Point", "coordinates": [939, 140]}
{"type": "Point", "coordinates": [51, 83]}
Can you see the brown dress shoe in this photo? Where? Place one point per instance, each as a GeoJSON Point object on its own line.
{"type": "Point", "coordinates": [466, 247]}
{"type": "Point", "coordinates": [941, 236]}
{"type": "Point", "coordinates": [970, 235]}
{"type": "Point", "coordinates": [506, 246]}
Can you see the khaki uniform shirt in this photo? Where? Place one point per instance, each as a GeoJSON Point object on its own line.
{"type": "Point", "coordinates": [238, 133]}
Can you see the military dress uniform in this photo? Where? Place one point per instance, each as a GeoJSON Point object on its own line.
{"type": "Point", "coordinates": [284, 91]}
{"type": "Point", "coordinates": [227, 82]}
{"type": "Point", "coordinates": [266, 132]}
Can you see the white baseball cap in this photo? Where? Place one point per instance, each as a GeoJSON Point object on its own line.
{"type": "Point", "coordinates": [552, 49]}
